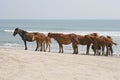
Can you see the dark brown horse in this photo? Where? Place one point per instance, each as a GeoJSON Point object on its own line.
{"type": "Point", "coordinates": [25, 36]}
{"type": "Point", "coordinates": [61, 39]}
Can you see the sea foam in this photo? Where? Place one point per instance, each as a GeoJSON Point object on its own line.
{"type": "Point", "coordinates": [105, 33]}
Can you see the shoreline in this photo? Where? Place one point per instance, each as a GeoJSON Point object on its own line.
{"type": "Point", "coordinates": [31, 65]}
{"type": "Point", "coordinates": [56, 50]}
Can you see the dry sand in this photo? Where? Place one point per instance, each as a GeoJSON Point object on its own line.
{"type": "Point", "coordinates": [31, 65]}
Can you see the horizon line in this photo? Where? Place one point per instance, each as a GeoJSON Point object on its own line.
{"type": "Point", "coordinates": [59, 19]}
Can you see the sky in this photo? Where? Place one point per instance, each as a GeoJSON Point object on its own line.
{"type": "Point", "coordinates": [59, 9]}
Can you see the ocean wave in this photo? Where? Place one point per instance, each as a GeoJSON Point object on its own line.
{"type": "Point", "coordinates": [9, 31]}
{"type": "Point", "coordinates": [101, 33]}
{"type": "Point", "coordinates": [12, 45]}
{"type": "Point", "coordinates": [110, 33]}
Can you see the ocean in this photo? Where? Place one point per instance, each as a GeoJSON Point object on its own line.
{"type": "Point", "coordinates": [82, 27]}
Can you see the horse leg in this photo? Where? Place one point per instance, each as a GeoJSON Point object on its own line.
{"type": "Point", "coordinates": [76, 49]}
{"type": "Point", "coordinates": [103, 49]}
{"type": "Point", "coordinates": [25, 45]}
{"type": "Point", "coordinates": [94, 52]}
{"type": "Point", "coordinates": [107, 48]}
{"type": "Point", "coordinates": [87, 52]}
{"type": "Point", "coordinates": [49, 47]}
{"type": "Point", "coordinates": [59, 47]}
{"type": "Point", "coordinates": [111, 50]}
{"type": "Point", "coordinates": [44, 46]}
{"type": "Point", "coordinates": [62, 48]}
{"type": "Point", "coordinates": [36, 46]}
{"type": "Point", "coordinates": [41, 46]}
{"type": "Point", "coordinates": [95, 49]}
{"type": "Point", "coordinates": [99, 51]}
{"type": "Point", "coordinates": [74, 45]}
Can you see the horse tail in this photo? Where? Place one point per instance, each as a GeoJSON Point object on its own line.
{"type": "Point", "coordinates": [33, 37]}
{"type": "Point", "coordinates": [114, 43]}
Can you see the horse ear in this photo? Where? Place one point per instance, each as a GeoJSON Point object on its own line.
{"type": "Point", "coordinates": [49, 33]}
{"type": "Point", "coordinates": [109, 37]}
{"type": "Point", "coordinates": [16, 28]}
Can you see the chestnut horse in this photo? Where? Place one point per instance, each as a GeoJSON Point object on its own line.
{"type": "Point", "coordinates": [82, 40]}
{"type": "Point", "coordinates": [102, 42]}
{"type": "Point", "coordinates": [61, 39]}
{"type": "Point", "coordinates": [41, 40]}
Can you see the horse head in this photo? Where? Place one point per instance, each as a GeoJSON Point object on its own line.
{"type": "Point", "coordinates": [16, 31]}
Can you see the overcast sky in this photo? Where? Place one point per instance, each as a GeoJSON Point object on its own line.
{"type": "Point", "coordinates": [59, 9]}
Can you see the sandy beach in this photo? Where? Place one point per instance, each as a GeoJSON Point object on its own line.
{"type": "Point", "coordinates": [31, 65]}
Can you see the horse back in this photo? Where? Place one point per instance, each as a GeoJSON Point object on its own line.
{"type": "Point", "coordinates": [28, 37]}
{"type": "Point", "coordinates": [61, 38]}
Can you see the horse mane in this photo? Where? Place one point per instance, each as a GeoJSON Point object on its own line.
{"type": "Point", "coordinates": [101, 37]}
{"type": "Point", "coordinates": [109, 37]}
{"type": "Point", "coordinates": [24, 32]}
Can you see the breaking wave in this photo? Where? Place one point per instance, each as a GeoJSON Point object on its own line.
{"type": "Point", "coordinates": [110, 33]}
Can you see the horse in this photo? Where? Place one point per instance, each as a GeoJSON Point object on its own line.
{"type": "Point", "coordinates": [102, 42]}
{"type": "Point", "coordinates": [82, 40]}
{"type": "Point", "coordinates": [61, 39]}
{"type": "Point", "coordinates": [27, 36]}
{"type": "Point", "coordinates": [110, 49]}
{"type": "Point", "coordinates": [41, 40]}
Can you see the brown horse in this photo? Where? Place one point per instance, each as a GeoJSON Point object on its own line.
{"type": "Point", "coordinates": [110, 49]}
{"type": "Point", "coordinates": [102, 42]}
{"type": "Point", "coordinates": [41, 40]}
{"type": "Point", "coordinates": [26, 36]}
{"type": "Point", "coordinates": [82, 40]}
{"type": "Point", "coordinates": [61, 39]}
